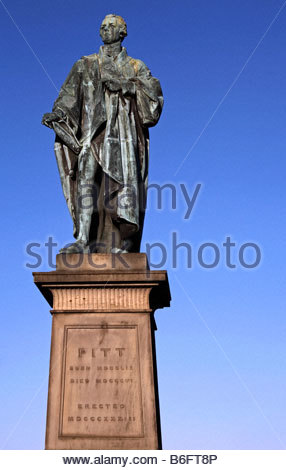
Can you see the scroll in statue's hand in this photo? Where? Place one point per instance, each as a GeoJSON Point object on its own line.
{"type": "Point", "coordinates": [49, 118]}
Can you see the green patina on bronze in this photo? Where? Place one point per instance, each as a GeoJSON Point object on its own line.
{"type": "Point", "coordinates": [101, 119]}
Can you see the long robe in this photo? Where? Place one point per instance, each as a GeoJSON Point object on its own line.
{"type": "Point", "coordinates": [111, 127]}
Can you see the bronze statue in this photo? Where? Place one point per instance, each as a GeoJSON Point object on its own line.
{"type": "Point", "coordinates": [101, 119]}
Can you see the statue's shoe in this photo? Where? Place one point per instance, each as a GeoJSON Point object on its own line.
{"type": "Point", "coordinates": [78, 247]}
{"type": "Point", "coordinates": [118, 251]}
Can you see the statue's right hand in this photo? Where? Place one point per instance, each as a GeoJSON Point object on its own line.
{"type": "Point", "coordinates": [48, 118]}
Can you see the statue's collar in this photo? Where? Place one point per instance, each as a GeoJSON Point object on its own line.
{"type": "Point", "coordinates": [121, 56]}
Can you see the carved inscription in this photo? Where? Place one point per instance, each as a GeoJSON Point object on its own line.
{"type": "Point", "coordinates": [101, 389]}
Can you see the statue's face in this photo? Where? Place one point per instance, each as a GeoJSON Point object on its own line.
{"type": "Point", "coordinates": [110, 30]}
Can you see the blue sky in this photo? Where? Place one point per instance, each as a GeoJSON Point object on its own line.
{"type": "Point", "coordinates": [221, 345]}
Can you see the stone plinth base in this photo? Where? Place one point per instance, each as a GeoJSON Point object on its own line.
{"type": "Point", "coordinates": [103, 382]}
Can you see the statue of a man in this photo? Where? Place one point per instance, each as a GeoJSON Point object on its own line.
{"type": "Point", "coordinates": [101, 119]}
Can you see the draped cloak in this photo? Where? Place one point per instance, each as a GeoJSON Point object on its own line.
{"type": "Point", "coordinates": [111, 127]}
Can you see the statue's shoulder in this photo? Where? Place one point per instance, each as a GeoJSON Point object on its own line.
{"type": "Point", "coordinates": [85, 61]}
{"type": "Point", "coordinates": [93, 56]}
{"type": "Point", "coordinates": [89, 58]}
{"type": "Point", "coordinates": [137, 64]}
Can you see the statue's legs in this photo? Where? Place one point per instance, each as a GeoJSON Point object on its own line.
{"type": "Point", "coordinates": [108, 237]}
{"type": "Point", "coordinates": [97, 226]}
{"type": "Point", "coordinates": [87, 166]}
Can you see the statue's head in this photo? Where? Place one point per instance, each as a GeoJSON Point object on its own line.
{"type": "Point", "coordinates": [113, 29]}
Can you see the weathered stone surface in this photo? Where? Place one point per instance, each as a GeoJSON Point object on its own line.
{"type": "Point", "coordinates": [102, 388]}
{"type": "Point", "coordinates": [101, 261]}
{"type": "Point", "coordinates": [103, 382]}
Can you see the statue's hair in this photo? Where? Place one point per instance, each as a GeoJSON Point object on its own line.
{"type": "Point", "coordinates": [121, 22]}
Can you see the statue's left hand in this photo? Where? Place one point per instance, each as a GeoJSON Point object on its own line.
{"type": "Point", "coordinates": [113, 85]}
{"type": "Point", "coordinates": [128, 87]}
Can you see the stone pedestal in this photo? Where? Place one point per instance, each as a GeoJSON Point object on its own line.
{"type": "Point", "coordinates": [103, 382]}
